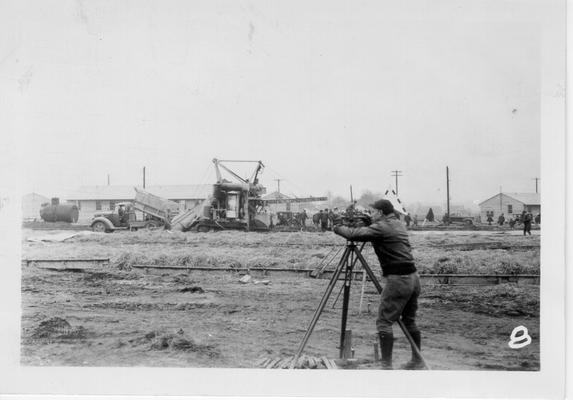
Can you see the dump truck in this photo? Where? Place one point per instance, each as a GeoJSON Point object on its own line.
{"type": "Point", "coordinates": [156, 211]}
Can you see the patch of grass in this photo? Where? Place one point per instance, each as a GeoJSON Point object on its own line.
{"type": "Point", "coordinates": [268, 250]}
{"type": "Point", "coordinates": [503, 299]}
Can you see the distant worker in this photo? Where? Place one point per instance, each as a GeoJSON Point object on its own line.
{"type": "Point", "coordinates": [501, 220]}
{"type": "Point", "coordinates": [527, 218]}
{"type": "Point", "coordinates": [511, 223]}
{"type": "Point", "coordinates": [330, 219]}
{"type": "Point", "coordinates": [335, 214]}
{"type": "Point", "coordinates": [324, 220]}
{"type": "Point", "coordinates": [130, 213]}
{"type": "Point", "coordinates": [399, 299]}
{"type": "Point", "coordinates": [415, 220]}
{"type": "Point", "coordinates": [122, 214]}
{"type": "Point", "coordinates": [407, 218]}
{"type": "Point", "coordinates": [303, 218]}
{"type": "Point", "coordinates": [316, 219]}
{"type": "Point", "coordinates": [538, 219]}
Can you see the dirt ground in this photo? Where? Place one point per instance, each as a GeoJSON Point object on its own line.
{"type": "Point", "coordinates": [116, 315]}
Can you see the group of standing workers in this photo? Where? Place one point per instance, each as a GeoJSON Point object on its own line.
{"type": "Point", "coordinates": [526, 218]}
{"type": "Point", "coordinates": [408, 220]}
{"type": "Point", "coordinates": [324, 219]}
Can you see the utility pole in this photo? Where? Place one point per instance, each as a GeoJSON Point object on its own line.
{"type": "Point", "coordinates": [448, 193]}
{"type": "Point", "coordinates": [396, 174]}
{"type": "Point", "coordinates": [500, 201]}
{"type": "Point", "coordinates": [278, 185]}
{"type": "Point", "coordinates": [108, 179]}
{"type": "Point", "coordinates": [144, 177]}
{"type": "Point", "coordinates": [536, 179]}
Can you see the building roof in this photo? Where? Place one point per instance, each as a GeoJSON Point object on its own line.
{"type": "Point", "coordinates": [276, 196]}
{"type": "Point", "coordinates": [529, 199]}
{"type": "Point", "coordinates": [127, 192]}
{"type": "Point", "coordinates": [34, 196]}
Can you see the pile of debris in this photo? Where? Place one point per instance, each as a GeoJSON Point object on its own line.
{"type": "Point", "coordinates": [57, 328]}
{"type": "Point", "coordinates": [304, 362]}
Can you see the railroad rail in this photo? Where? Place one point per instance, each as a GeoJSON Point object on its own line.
{"type": "Point", "coordinates": [451, 279]}
{"type": "Point", "coordinates": [447, 246]}
{"type": "Point", "coordinates": [448, 279]}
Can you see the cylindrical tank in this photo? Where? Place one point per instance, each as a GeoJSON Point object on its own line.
{"type": "Point", "coordinates": [60, 213]}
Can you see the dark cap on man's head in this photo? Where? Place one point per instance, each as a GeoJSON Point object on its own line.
{"type": "Point", "coordinates": [383, 205]}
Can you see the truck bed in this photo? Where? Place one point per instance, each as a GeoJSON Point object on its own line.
{"type": "Point", "coordinates": [154, 205]}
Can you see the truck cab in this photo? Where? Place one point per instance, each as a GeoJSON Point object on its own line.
{"type": "Point", "coordinates": [123, 217]}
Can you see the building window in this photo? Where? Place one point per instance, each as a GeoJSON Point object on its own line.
{"type": "Point", "coordinates": [510, 209]}
{"type": "Point", "coordinates": [98, 205]}
{"type": "Point", "coordinates": [111, 205]}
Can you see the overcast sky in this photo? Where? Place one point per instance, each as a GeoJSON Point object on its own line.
{"type": "Point", "coordinates": [325, 93]}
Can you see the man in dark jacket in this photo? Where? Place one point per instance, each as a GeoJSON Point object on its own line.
{"type": "Point", "coordinates": [526, 218]}
{"type": "Point", "coordinates": [399, 299]}
{"type": "Point", "coordinates": [324, 220]}
{"type": "Point", "coordinates": [407, 219]}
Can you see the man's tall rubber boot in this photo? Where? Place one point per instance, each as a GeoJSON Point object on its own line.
{"type": "Point", "coordinates": [386, 346]}
{"type": "Point", "coordinates": [416, 362]}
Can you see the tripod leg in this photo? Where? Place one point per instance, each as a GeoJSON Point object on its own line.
{"type": "Point", "coordinates": [337, 297]}
{"type": "Point", "coordinates": [362, 292]}
{"type": "Point", "coordinates": [355, 260]}
{"type": "Point", "coordinates": [323, 301]}
{"type": "Point", "coordinates": [345, 300]}
{"type": "Point", "coordinates": [400, 323]}
{"type": "Point", "coordinates": [368, 271]}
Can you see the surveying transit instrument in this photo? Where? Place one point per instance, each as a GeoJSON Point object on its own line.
{"type": "Point", "coordinates": [351, 255]}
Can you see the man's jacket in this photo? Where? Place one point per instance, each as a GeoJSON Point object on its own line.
{"type": "Point", "coordinates": [390, 241]}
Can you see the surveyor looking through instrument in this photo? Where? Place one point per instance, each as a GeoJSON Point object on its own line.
{"type": "Point", "coordinates": [399, 298]}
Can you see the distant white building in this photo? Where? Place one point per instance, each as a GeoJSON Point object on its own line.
{"type": "Point", "coordinates": [91, 199]}
{"type": "Point", "coordinates": [31, 205]}
{"type": "Point", "coordinates": [281, 202]}
{"type": "Point", "coordinates": [510, 204]}
{"type": "Point", "coordinates": [276, 207]}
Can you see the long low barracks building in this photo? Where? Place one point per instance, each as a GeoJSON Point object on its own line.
{"type": "Point", "coordinates": [92, 199]}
